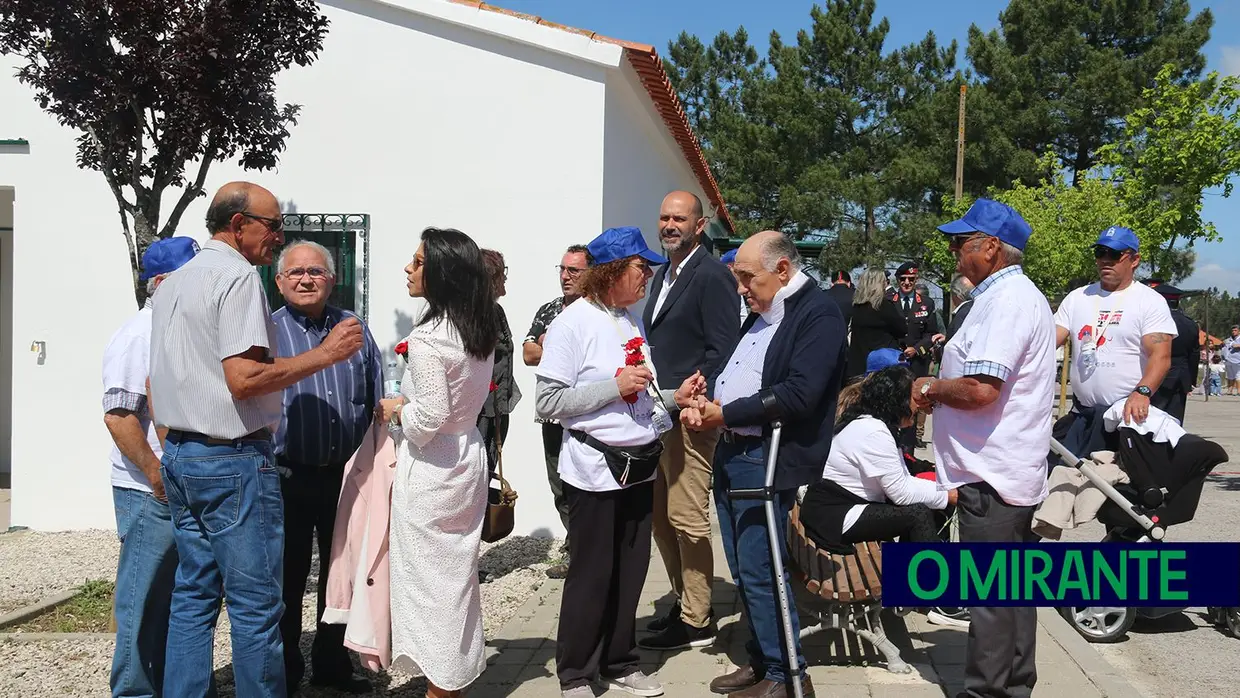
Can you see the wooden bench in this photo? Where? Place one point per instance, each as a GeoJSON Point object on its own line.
{"type": "Point", "coordinates": [851, 587]}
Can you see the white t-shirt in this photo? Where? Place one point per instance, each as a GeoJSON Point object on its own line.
{"type": "Point", "coordinates": [866, 461]}
{"type": "Point", "coordinates": [1114, 323]}
{"type": "Point", "coordinates": [668, 281]}
{"type": "Point", "coordinates": [1231, 350]}
{"type": "Point", "coordinates": [1009, 330]}
{"type": "Point", "coordinates": [1217, 368]}
{"type": "Point", "coordinates": [126, 361]}
{"type": "Point", "coordinates": [585, 344]}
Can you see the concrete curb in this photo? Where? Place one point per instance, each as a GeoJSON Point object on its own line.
{"type": "Point", "coordinates": [1097, 669]}
{"type": "Point", "coordinates": [42, 637]}
{"type": "Point", "coordinates": [22, 615]}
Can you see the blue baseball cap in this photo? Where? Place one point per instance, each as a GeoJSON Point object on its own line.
{"type": "Point", "coordinates": [883, 358]}
{"type": "Point", "coordinates": [166, 256]}
{"type": "Point", "coordinates": [1119, 239]}
{"type": "Point", "coordinates": [994, 219]}
{"type": "Point", "coordinates": [621, 243]}
{"type": "Point", "coordinates": [728, 257]}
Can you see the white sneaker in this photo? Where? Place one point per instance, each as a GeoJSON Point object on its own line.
{"type": "Point", "coordinates": [956, 618]}
{"type": "Point", "coordinates": [636, 683]}
{"type": "Point", "coordinates": [578, 692]}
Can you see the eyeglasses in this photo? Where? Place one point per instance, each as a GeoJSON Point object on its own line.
{"type": "Point", "coordinates": [315, 273]}
{"type": "Point", "coordinates": [275, 225]}
{"type": "Point", "coordinates": [909, 278]}
{"type": "Point", "coordinates": [571, 271]}
{"type": "Point", "coordinates": [1106, 253]}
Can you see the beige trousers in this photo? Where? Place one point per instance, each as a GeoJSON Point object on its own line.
{"type": "Point", "coordinates": [681, 523]}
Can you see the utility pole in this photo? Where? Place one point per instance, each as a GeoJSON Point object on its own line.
{"type": "Point", "coordinates": [960, 148]}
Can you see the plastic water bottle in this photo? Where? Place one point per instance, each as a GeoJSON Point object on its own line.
{"type": "Point", "coordinates": [391, 390]}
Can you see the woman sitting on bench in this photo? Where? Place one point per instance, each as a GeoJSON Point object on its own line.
{"type": "Point", "coordinates": [867, 492]}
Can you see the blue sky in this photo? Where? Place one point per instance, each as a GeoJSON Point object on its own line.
{"type": "Point", "coordinates": [657, 22]}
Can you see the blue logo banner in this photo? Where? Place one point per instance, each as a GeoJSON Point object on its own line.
{"type": "Point", "coordinates": [1061, 574]}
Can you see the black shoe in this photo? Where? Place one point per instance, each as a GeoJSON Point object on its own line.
{"type": "Point", "coordinates": [679, 635]}
{"type": "Point", "coordinates": [661, 623]}
{"type": "Point", "coordinates": [352, 684]}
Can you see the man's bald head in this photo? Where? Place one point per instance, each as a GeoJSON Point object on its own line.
{"type": "Point", "coordinates": [247, 217]}
{"type": "Point", "coordinates": [680, 223]}
{"type": "Point", "coordinates": [765, 263]}
{"type": "Point", "coordinates": [235, 198]}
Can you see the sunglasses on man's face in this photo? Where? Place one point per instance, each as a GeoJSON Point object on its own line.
{"type": "Point", "coordinates": [275, 225]}
{"type": "Point", "coordinates": [1106, 253]}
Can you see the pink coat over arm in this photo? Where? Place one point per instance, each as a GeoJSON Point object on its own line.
{"type": "Point", "coordinates": [359, 580]}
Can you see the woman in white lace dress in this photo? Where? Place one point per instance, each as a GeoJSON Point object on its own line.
{"type": "Point", "coordinates": [440, 494]}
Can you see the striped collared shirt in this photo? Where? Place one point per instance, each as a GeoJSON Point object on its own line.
{"type": "Point", "coordinates": [210, 309]}
{"type": "Point", "coordinates": [742, 377]}
{"type": "Point", "coordinates": [325, 415]}
{"type": "Point", "coordinates": [991, 368]}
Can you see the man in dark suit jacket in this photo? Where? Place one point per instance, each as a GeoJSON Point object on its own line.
{"type": "Point", "coordinates": [1172, 395]}
{"type": "Point", "coordinates": [691, 325]}
{"type": "Point", "coordinates": [788, 367]}
{"type": "Point", "coordinates": [842, 292]}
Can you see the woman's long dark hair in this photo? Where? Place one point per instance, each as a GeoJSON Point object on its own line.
{"type": "Point", "coordinates": [459, 287]}
{"type": "Point", "coordinates": [884, 396]}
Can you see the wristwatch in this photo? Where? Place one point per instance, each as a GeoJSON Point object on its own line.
{"type": "Point", "coordinates": [1143, 390]}
{"type": "Point", "coordinates": [925, 387]}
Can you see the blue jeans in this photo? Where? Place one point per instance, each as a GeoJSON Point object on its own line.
{"type": "Point", "coordinates": [144, 578]}
{"type": "Point", "coordinates": [1216, 384]}
{"type": "Point", "coordinates": [742, 525]}
{"type": "Point", "coordinates": [229, 520]}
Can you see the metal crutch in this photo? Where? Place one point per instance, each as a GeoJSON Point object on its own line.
{"type": "Point", "coordinates": [767, 495]}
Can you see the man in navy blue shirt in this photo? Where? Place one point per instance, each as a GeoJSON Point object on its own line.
{"type": "Point", "coordinates": [325, 418]}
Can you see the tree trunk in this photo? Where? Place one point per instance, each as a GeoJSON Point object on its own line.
{"type": "Point", "coordinates": [144, 235]}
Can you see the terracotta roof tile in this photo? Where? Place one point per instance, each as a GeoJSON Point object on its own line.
{"type": "Point", "coordinates": [649, 68]}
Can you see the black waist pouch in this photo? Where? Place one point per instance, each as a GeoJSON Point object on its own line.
{"type": "Point", "coordinates": [629, 464]}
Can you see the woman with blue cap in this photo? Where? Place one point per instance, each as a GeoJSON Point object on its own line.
{"type": "Point", "coordinates": [596, 380]}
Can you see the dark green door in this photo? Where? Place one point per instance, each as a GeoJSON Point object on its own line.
{"type": "Point", "coordinates": [339, 234]}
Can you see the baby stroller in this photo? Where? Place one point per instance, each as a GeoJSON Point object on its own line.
{"type": "Point", "coordinates": [1164, 489]}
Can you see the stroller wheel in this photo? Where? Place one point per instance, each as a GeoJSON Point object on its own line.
{"type": "Point", "coordinates": [1100, 624]}
{"type": "Point", "coordinates": [1231, 619]}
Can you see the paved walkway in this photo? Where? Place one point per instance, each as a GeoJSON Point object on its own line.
{"type": "Point", "coordinates": [522, 662]}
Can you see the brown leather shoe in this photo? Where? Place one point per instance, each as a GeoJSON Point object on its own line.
{"type": "Point", "coordinates": [743, 677]}
{"type": "Point", "coordinates": [770, 689]}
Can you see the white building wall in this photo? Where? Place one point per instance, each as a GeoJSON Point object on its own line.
{"type": "Point", "coordinates": [641, 161]}
{"type": "Point", "coordinates": [71, 289]}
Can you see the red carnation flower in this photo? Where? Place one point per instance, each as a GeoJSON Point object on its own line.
{"type": "Point", "coordinates": [633, 360]}
{"type": "Point", "coordinates": [493, 386]}
{"type": "Point", "coordinates": [634, 344]}
{"type": "Point", "coordinates": [627, 398]}
{"type": "Point", "coordinates": [403, 349]}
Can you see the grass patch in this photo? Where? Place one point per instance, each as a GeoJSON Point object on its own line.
{"type": "Point", "coordinates": [88, 612]}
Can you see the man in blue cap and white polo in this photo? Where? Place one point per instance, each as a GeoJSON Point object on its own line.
{"type": "Point", "coordinates": [1121, 333]}
{"type": "Point", "coordinates": [993, 426]}
{"type": "Point", "coordinates": [148, 560]}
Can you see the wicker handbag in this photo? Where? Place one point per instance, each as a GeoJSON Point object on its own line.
{"type": "Point", "coordinates": [501, 517]}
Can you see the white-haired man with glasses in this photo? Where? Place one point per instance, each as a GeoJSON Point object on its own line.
{"type": "Point", "coordinates": [325, 417]}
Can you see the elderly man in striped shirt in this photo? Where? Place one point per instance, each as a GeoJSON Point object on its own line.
{"type": "Point", "coordinates": [215, 385]}
{"type": "Point", "coordinates": [326, 416]}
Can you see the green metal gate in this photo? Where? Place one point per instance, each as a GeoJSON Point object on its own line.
{"type": "Point", "coordinates": [339, 233]}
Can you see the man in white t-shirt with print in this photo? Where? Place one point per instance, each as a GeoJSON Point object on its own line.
{"type": "Point", "coordinates": [992, 426]}
{"type": "Point", "coordinates": [1121, 333]}
{"type": "Point", "coordinates": [1231, 360]}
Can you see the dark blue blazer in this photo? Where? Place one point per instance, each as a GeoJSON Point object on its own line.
{"type": "Point", "coordinates": [801, 379]}
{"type": "Point", "coordinates": [696, 329]}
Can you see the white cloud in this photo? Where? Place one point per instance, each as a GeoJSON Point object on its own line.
{"type": "Point", "coordinates": [1231, 60]}
{"type": "Point", "coordinates": [1213, 275]}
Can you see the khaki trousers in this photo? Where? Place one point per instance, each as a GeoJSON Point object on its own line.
{"type": "Point", "coordinates": [681, 523]}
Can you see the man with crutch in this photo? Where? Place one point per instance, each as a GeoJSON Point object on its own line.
{"type": "Point", "coordinates": [780, 383]}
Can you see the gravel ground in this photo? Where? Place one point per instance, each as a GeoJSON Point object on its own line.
{"type": "Point", "coordinates": [36, 565]}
